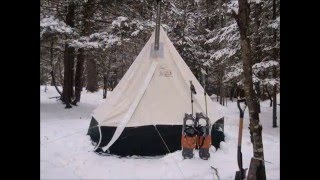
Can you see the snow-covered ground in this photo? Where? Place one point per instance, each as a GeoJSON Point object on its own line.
{"type": "Point", "coordinates": [66, 150]}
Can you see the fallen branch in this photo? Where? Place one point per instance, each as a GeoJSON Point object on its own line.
{"type": "Point", "coordinates": [216, 171]}
{"type": "Point", "coordinates": [54, 97]}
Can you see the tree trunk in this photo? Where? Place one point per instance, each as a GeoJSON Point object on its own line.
{"type": "Point", "coordinates": [231, 94]}
{"type": "Point", "coordinates": [52, 73]}
{"type": "Point", "coordinates": [79, 75]}
{"type": "Point", "coordinates": [269, 95]}
{"type": "Point", "coordinates": [274, 16]}
{"type": "Point", "coordinates": [92, 82]}
{"type": "Point", "coordinates": [221, 91]}
{"type": "Point", "coordinates": [222, 44]}
{"type": "Point", "coordinates": [217, 96]}
{"type": "Point", "coordinates": [221, 74]}
{"type": "Point", "coordinates": [67, 93]}
{"type": "Point", "coordinates": [257, 40]}
{"type": "Point", "coordinates": [60, 73]}
{"type": "Point", "coordinates": [54, 82]}
{"type": "Point", "coordinates": [71, 59]}
{"type": "Point", "coordinates": [105, 80]}
{"type": "Point", "coordinates": [225, 94]}
{"type": "Point", "coordinates": [87, 30]}
{"type": "Point", "coordinates": [52, 64]}
{"type": "Point", "coordinates": [257, 87]}
{"type": "Point", "coordinates": [67, 80]}
{"type": "Point", "coordinates": [274, 117]}
{"type": "Point", "coordinates": [257, 48]}
{"type": "Point", "coordinates": [255, 127]}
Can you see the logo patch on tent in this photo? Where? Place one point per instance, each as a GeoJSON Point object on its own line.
{"type": "Point", "coordinates": [165, 71]}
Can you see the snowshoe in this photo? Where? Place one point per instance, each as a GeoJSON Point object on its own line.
{"type": "Point", "coordinates": [203, 142]}
{"type": "Point", "coordinates": [188, 138]}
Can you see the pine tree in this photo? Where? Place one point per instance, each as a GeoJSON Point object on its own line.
{"type": "Point", "coordinates": [69, 55]}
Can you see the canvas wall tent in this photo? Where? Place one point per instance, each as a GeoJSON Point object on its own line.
{"type": "Point", "coordinates": [150, 100]}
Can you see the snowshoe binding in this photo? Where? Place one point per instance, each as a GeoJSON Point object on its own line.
{"type": "Point", "coordinates": [188, 138]}
{"type": "Point", "coordinates": [203, 142]}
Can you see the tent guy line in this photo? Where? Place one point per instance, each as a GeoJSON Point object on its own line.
{"type": "Point", "coordinates": [169, 151]}
{"type": "Point", "coordinates": [72, 134]}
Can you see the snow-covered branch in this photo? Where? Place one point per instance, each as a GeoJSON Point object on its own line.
{"type": "Point", "coordinates": [96, 40]}
{"type": "Point", "coordinates": [53, 25]}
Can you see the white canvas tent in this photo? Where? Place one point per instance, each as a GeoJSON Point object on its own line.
{"type": "Point", "coordinates": [155, 91]}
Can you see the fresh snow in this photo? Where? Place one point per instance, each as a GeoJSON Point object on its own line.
{"type": "Point", "coordinates": [265, 65]}
{"type": "Point", "coordinates": [233, 74]}
{"type": "Point", "coordinates": [118, 21]}
{"type": "Point", "coordinates": [223, 52]}
{"type": "Point", "coordinates": [203, 71]}
{"type": "Point", "coordinates": [67, 152]}
{"type": "Point", "coordinates": [254, 1]}
{"type": "Point", "coordinates": [275, 23]}
{"type": "Point", "coordinates": [96, 40]}
{"type": "Point", "coordinates": [135, 33]}
{"type": "Point", "coordinates": [270, 81]}
{"type": "Point", "coordinates": [233, 6]}
{"type": "Point", "coordinates": [113, 40]}
{"type": "Point", "coordinates": [52, 24]}
{"type": "Point", "coordinates": [229, 33]}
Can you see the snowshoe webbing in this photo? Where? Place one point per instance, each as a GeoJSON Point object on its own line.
{"type": "Point", "coordinates": [188, 138]}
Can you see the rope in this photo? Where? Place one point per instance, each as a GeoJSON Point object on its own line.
{"type": "Point", "coordinates": [169, 151]}
{"type": "Point", "coordinates": [69, 135]}
{"type": "Point", "coordinates": [61, 137]}
{"type": "Point", "coordinates": [162, 139]}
